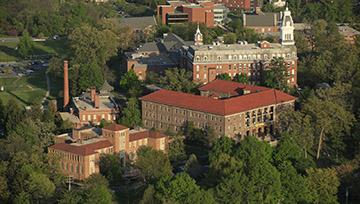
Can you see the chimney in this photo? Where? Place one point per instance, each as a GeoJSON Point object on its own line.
{"type": "Point", "coordinates": [96, 101]}
{"type": "Point", "coordinates": [93, 93]}
{"type": "Point", "coordinates": [66, 84]}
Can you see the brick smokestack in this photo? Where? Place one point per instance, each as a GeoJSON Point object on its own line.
{"type": "Point", "coordinates": [66, 84]}
{"type": "Point", "coordinates": [92, 93]}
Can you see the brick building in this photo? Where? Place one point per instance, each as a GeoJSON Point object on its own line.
{"type": "Point", "coordinates": [196, 12]}
{"type": "Point", "coordinates": [232, 109]}
{"type": "Point", "coordinates": [156, 56]}
{"type": "Point", "coordinates": [263, 23]}
{"type": "Point", "coordinates": [208, 61]}
{"type": "Point", "coordinates": [241, 5]}
{"type": "Point", "coordinates": [91, 106]}
{"type": "Point", "coordinates": [79, 152]}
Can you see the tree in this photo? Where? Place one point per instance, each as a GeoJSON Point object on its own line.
{"type": "Point", "coordinates": [277, 75]}
{"type": "Point", "coordinates": [230, 38]}
{"type": "Point", "coordinates": [96, 190]}
{"type": "Point", "coordinates": [294, 187]}
{"type": "Point", "coordinates": [98, 194]}
{"type": "Point", "coordinates": [26, 45]}
{"type": "Point", "coordinates": [181, 189]}
{"type": "Point", "coordinates": [324, 183]}
{"type": "Point", "coordinates": [131, 114]}
{"type": "Point", "coordinates": [231, 189]}
{"type": "Point", "coordinates": [177, 80]}
{"type": "Point", "coordinates": [297, 125]}
{"type": "Point", "coordinates": [12, 115]}
{"type": "Point", "coordinates": [39, 186]}
{"type": "Point", "coordinates": [90, 45]}
{"type": "Point", "coordinates": [149, 196]}
{"type": "Point", "coordinates": [241, 78]}
{"type": "Point", "coordinates": [330, 120]}
{"type": "Point", "coordinates": [264, 179]}
{"type": "Point", "coordinates": [192, 166]}
{"type": "Point", "coordinates": [130, 83]}
{"type": "Point", "coordinates": [177, 149]}
{"type": "Point", "coordinates": [90, 75]}
{"type": "Point", "coordinates": [111, 167]}
{"type": "Point", "coordinates": [153, 164]}
{"type": "Point", "coordinates": [224, 76]}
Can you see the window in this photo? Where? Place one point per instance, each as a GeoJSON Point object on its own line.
{"type": "Point", "coordinates": [197, 76]}
{"type": "Point", "coordinates": [197, 68]}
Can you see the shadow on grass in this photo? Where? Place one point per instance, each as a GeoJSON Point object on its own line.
{"type": "Point", "coordinates": [18, 98]}
{"type": "Point", "coordinates": [9, 51]}
{"type": "Point", "coordinates": [38, 80]}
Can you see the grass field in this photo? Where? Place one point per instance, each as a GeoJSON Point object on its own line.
{"type": "Point", "coordinates": [53, 47]}
{"type": "Point", "coordinates": [25, 90]}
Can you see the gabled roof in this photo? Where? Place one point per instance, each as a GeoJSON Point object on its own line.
{"type": "Point", "coordinates": [83, 150]}
{"type": "Point", "coordinates": [219, 107]}
{"type": "Point", "coordinates": [229, 87]}
{"type": "Point", "coordinates": [115, 127]}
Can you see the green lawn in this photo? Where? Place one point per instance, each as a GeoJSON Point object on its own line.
{"type": "Point", "coordinates": [25, 90]}
{"type": "Point", "coordinates": [52, 47]}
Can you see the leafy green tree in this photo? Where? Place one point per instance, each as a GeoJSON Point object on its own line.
{"type": "Point", "coordinates": [230, 38]}
{"type": "Point", "coordinates": [130, 83]}
{"type": "Point", "coordinates": [294, 186]}
{"type": "Point", "coordinates": [181, 189]}
{"type": "Point", "coordinates": [324, 183]}
{"type": "Point", "coordinates": [26, 45]}
{"type": "Point", "coordinates": [12, 114]}
{"type": "Point", "coordinates": [22, 198]}
{"type": "Point", "coordinates": [192, 166]}
{"type": "Point", "coordinates": [177, 149]}
{"type": "Point", "coordinates": [231, 189]}
{"type": "Point", "coordinates": [39, 186]}
{"type": "Point", "coordinates": [70, 197]}
{"type": "Point", "coordinates": [224, 76]}
{"type": "Point", "coordinates": [330, 120]}
{"type": "Point", "coordinates": [177, 80]}
{"type": "Point", "coordinates": [149, 196]}
{"type": "Point", "coordinates": [131, 114]}
{"type": "Point", "coordinates": [264, 179]}
{"type": "Point", "coordinates": [277, 75]}
{"type": "Point", "coordinates": [90, 45]}
{"type": "Point", "coordinates": [241, 78]}
{"type": "Point", "coordinates": [98, 194]}
{"type": "Point", "coordinates": [4, 188]}
{"type": "Point", "coordinates": [153, 164]}
{"type": "Point", "coordinates": [90, 75]}
{"type": "Point", "coordinates": [297, 125]}
{"type": "Point", "coordinates": [111, 167]}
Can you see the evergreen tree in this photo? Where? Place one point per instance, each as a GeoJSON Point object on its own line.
{"type": "Point", "coordinates": [131, 114]}
{"type": "Point", "coordinates": [26, 45]}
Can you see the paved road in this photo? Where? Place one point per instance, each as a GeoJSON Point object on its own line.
{"type": "Point", "coordinates": [14, 39]}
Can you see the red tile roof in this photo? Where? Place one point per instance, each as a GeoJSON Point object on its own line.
{"type": "Point", "coordinates": [145, 134]}
{"type": "Point", "coordinates": [115, 127]}
{"type": "Point", "coordinates": [229, 87]}
{"type": "Point", "coordinates": [216, 106]}
{"type": "Point", "coordinates": [83, 150]}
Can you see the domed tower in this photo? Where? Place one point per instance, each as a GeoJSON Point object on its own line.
{"type": "Point", "coordinates": [198, 37]}
{"type": "Point", "coordinates": [287, 28]}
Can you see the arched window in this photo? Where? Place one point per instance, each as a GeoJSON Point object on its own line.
{"type": "Point", "coordinates": [197, 58]}
{"type": "Point", "coordinates": [205, 58]}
